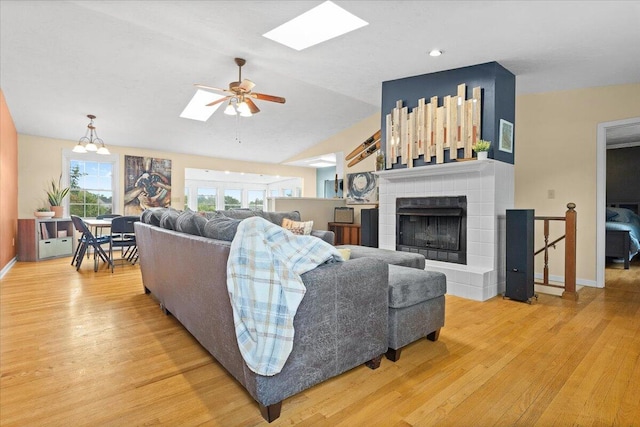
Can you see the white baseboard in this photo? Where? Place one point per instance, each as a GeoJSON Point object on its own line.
{"type": "Point", "coordinates": [7, 267]}
{"type": "Point", "coordinates": [560, 279]}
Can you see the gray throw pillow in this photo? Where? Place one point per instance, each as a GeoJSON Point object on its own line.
{"type": "Point", "coordinates": [168, 219]}
{"type": "Point", "coordinates": [153, 215]}
{"type": "Point", "coordinates": [239, 213]}
{"type": "Point", "coordinates": [191, 223]}
{"type": "Point", "coordinates": [221, 228]}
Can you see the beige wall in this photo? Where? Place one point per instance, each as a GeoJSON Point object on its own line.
{"type": "Point", "coordinates": [342, 144]}
{"type": "Point", "coordinates": [8, 184]}
{"type": "Point", "coordinates": [40, 160]}
{"type": "Point", "coordinates": [555, 137]}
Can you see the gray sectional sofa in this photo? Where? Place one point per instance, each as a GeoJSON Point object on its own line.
{"type": "Point", "coordinates": [340, 324]}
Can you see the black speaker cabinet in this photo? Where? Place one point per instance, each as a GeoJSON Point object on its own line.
{"type": "Point", "coordinates": [519, 262]}
{"type": "Point", "coordinates": [369, 227]}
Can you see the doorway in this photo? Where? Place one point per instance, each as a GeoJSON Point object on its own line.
{"type": "Point", "coordinates": [601, 188]}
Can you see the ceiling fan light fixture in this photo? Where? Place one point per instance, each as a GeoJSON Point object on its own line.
{"type": "Point", "coordinates": [230, 110]}
{"type": "Point", "coordinates": [243, 109]}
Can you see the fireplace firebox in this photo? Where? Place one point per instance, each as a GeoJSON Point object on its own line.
{"type": "Point", "coordinates": [435, 227]}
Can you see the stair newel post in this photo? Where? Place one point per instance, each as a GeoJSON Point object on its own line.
{"type": "Point", "coordinates": [571, 217]}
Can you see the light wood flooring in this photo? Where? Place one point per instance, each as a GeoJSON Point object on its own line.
{"type": "Point", "coordinates": [85, 348]}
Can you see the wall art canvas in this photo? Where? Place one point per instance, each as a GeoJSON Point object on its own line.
{"type": "Point", "coordinates": [147, 184]}
{"type": "Point", "coordinates": [506, 136]}
{"type": "Point", "coordinates": [362, 188]}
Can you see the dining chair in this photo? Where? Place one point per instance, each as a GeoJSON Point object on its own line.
{"type": "Point", "coordinates": [100, 227]}
{"type": "Point", "coordinates": [87, 239]}
{"type": "Point", "coordinates": [106, 216]}
{"type": "Point", "coordinates": [123, 237]}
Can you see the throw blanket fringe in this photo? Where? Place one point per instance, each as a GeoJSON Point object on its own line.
{"type": "Point", "coordinates": [265, 288]}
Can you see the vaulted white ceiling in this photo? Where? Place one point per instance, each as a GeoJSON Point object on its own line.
{"type": "Point", "coordinates": [133, 63]}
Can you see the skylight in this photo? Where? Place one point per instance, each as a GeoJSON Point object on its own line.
{"type": "Point", "coordinates": [197, 108]}
{"type": "Point", "coordinates": [319, 24]}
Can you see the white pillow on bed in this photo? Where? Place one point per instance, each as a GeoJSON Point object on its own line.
{"type": "Point", "coordinates": [621, 215]}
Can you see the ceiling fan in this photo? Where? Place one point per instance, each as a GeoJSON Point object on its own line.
{"type": "Point", "coordinates": [239, 92]}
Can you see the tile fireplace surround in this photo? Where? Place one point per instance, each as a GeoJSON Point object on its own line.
{"type": "Point", "coordinates": [489, 187]}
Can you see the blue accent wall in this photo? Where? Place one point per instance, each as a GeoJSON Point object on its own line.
{"type": "Point", "coordinates": [498, 100]}
{"type": "Point", "coordinates": [323, 174]}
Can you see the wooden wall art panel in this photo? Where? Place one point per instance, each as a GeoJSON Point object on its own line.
{"type": "Point", "coordinates": [428, 129]}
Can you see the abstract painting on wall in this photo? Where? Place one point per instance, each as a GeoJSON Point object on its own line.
{"type": "Point", "coordinates": [362, 188]}
{"type": "Point", "coordinates": [147, 184]}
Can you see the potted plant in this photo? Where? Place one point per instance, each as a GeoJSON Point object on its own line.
{"type": "Point", "coordinates": [56, 193]}
{"type": "Point", "coordinates": [481, 149]}
{"type": "Point", "coordinates": [44, 213]}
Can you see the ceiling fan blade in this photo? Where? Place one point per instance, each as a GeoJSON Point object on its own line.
{"type": "Point", "coordinates": [265, 97]}
{"type": "Point", "coordinates": [217, 101]}
{"type": "Point", "coordinates": [252, 106]}
{"type": "Point", "coordinates": [210, 87]}
{"type": "Point", "coordinates": [247, 85]}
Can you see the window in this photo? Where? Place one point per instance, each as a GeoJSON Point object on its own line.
{"type": "Point", "coordinates": [232, 199]}
{"type": "Point", "coordinates": [207, 199]}
{"type": "Point", "coordinates": [275, 193]}
{"type": "Point", "coordinates": [287, 192]}
{"type": "Point", "coordinates": [256, 199]}
{"type": "Point", "coordinates": [186, 198]}
{"type": "Point", "coordinates": [92, 184]}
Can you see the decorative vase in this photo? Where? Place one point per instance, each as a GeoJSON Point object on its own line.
{"type": "Point", "coordinates": [45, 214]}
{"type": "Point", "coordinates": [482, 155]}
{"type": "Point", "coordinates": [58, 211]}
{"type": "Point", "coordinates": [380, 161]}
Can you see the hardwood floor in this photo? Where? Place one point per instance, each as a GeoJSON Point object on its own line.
{"type": "Point", "coordinates": [85, 348]}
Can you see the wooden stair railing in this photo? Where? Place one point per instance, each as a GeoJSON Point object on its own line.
{"type": "Point", "coordinates": [569, 236]}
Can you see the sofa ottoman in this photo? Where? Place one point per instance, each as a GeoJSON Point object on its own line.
{"type": "Point", "coordinates": [407, 259]}
{"type": "Point", "coordinates": [416, 306]}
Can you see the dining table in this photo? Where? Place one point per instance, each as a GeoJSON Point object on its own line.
{"type": "Point", "coordinates": [97, 224]}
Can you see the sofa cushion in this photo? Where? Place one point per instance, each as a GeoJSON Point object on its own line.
{"type": "Point", "coordinates": [409, 286]}
{"type": "Point", "coordinates": [407, 259]}
{"type": "Point", "coordinates": [168, 219]}
{"type": "Point", "coordinates": [152, 215]}
{"type": "Point", "coordinates": [191, 223]}
{"type": "Point", "coordinates": [277, 217]}
{"type": "Point", "coordinates": [239, 213]}
{"type": "Point", "coordinates": [210, 214]}
{"type": "Point", "coordinates": [221, 228]}
{"type": "Point", "coordinates": [298, 227]}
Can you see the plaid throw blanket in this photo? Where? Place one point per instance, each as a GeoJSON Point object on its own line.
{"type": "Point", "coordinates": [265, 288]}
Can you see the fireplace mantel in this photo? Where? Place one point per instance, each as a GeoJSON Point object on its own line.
{"type": "Point", "coordinates": [443, 169]}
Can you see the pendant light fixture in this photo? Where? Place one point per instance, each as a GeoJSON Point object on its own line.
{"type": "Point", "coordinates": [90, 142]}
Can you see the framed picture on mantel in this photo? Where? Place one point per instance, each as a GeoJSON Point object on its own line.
{"type": "Point", "coordinates": [506, 136]}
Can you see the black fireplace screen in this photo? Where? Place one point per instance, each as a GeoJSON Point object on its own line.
{"type": "Point", "coordinates": [435, 232]}
{"type": "Point", "coordinates": [432, 226]}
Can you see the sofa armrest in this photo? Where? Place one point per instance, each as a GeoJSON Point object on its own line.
{"type": "Point", "coordinates": [327, 236]}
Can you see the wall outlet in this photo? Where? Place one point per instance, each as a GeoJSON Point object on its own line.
{"type": "Point", "coordinates": [551, 194]}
